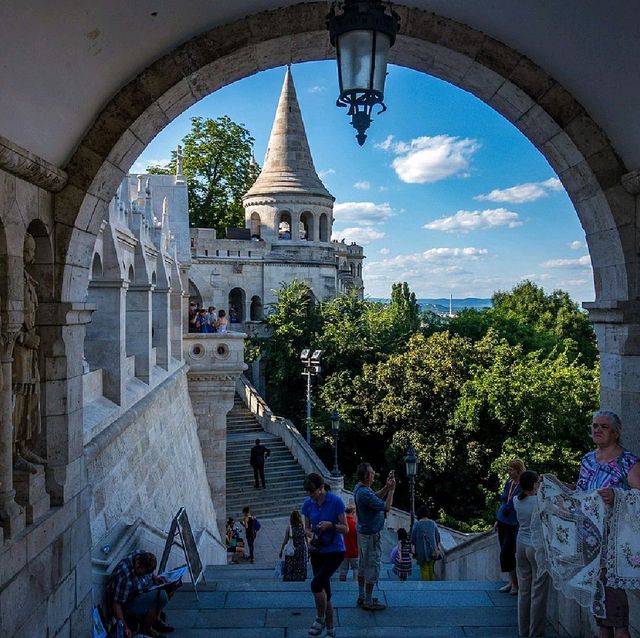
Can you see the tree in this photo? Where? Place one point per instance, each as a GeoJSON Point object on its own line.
{"type": "Point", "coordinates": [219, 167]}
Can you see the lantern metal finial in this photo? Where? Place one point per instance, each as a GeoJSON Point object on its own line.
{"type": "Point", "coordinates": [362, 33]}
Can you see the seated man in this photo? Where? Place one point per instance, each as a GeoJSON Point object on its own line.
{"type": "Point", "coordinates": [130, 599]}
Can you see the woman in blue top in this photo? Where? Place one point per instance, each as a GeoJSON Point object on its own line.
{"type": "Point", "coordinates": [507, 525]}
{"type": "Point", "coordinates": [325, 523]}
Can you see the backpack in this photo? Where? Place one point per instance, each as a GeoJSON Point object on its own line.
{"type": "Point", "coordinates": [256, 524]}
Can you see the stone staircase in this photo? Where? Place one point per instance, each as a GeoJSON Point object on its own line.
{"type": "Point", "coordinates": [246, 600]}
{"type": "Point", "coordinates": [284, 476]}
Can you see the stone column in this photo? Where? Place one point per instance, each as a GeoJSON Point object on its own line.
{"type": "Point", "coordinates": [161, 322]}
{"type": "Point", "coordinates": [12, 517]}
{"type": "Point", "coordinates": [139, 328]}
{"type": "Point", "coordinates": [215, 363]}
{"type": "Point", "coordinates": [617, 327]}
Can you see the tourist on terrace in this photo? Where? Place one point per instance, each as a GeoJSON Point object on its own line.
{"type": "Point", "coordinates": [325, 523]}
{"type": "Point", "coordinates": [609, 467]}
{"type": "Point", "coordinates": [212, 318]}
{"type": "Point", "coordinates": [222, 323]}
{"type": "Point", "coordinates": [295, 565]}
{"type": "Point", "coordinates": [425, 541]}
{"type": "Point", "coordinates": [507, 525]}
{"type": "Point", "coordinates": [202, 322]}
{"type": "Point", "coordinates": [533, 583]}
{"type": "Point", "coordinates": [370, 508]}
{"type": "Point", "coordinates": [351, 545]}
{"type": "Point", "coordinates": [130, 600]}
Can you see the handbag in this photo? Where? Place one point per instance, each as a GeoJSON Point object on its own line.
{"type": "Point", "coordinates": [279, 569]}
{"type": "Point", "coordinates": [289, 549]}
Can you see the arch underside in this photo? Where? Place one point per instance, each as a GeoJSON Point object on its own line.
{"type": "Point", "coordinates": [524, 94]}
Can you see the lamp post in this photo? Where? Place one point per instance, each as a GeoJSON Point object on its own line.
{"type": "Point", "coordinates": [411, 467]}
{"type": "Point", "coordinates": [335, 428]}
{"type": "Point", "coordinates": [311, 362]}
{"type": "Point", "coordinates": [362, 33]}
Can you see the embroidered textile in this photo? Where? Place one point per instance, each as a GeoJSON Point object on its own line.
{"type": "Point", "coordinates": [623, 552]}
{"type": "Point", "coordinates": [568, 537]}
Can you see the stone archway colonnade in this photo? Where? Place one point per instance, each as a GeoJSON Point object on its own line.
{"type": "Point", "coordinates": [603, 191]}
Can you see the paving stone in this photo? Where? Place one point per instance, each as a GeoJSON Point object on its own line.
{"type": "Point", "coordinates": [207, 600]}
{"type": "Point", "coordinates": [229, 618]}
{"type": "Point", "coordinates": [448, 599]}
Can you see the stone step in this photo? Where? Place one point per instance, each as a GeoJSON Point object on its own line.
{"type": "Point", "coordinates": [278, 471]}
{"type": "Point", "coordinates": [271, 492]}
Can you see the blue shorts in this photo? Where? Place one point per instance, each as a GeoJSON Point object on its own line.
{"type": "Point", "coordinates": [139, 606]}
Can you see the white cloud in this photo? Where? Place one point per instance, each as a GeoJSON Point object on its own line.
{"type": "Point", "coordinates": [363, 186]}
{"type": "Point", "coordinates": [437, 255]}
{"type": "Point", "coordinates": [317, 88]}
{"type": "Point", "coordinates": [580, 262]}
{"type": "Point", "coordinates": [522, 193]}
{"type": "Point", "coordinates": [467, 220]}
{"type": "Point", "coordinates": [576, 245]}
{"type": "Point", "coordinates": [359, 235]}
{"type": "Point", "coordinates": [430, 159]}
{"type": "Point", "coordinates": [364, 213]}
{"type": "Point", "coordinates": [384, 251]}
{"type": "Point", "coordinates": [324, 173]}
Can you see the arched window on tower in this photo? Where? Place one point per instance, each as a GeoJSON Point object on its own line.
{"type": "Point", "coordinates": [352, 269]}
{"type": "Point", "coordinates": [306, 226]}
{"type": "Point", "coordinates": [255, 226]}
{"type": "Point", "coordinates": [284, 226]}
{"type": "Point", "coordinates": [256, 311]}
{"type": "Point", "coordinates": [236, 305]}
{"type": "Point", "coordinates": [359, 270]}
{"type": "Point", "coordinates": [324, 227]}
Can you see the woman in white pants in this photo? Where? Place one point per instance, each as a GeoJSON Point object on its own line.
{"type": "Point", "coordinates": [533, 586]}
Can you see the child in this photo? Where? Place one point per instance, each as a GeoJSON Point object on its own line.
{"type": "Point", "coordinates": [402, 563]}
{"type": "Point", "coordinates": [351, 545]}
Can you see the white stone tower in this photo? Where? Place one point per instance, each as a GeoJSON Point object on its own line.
{"type": "Point", "coordinates": [288, 203]}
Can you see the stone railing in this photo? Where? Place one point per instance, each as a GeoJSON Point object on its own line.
{"type": "Point", "coordinates": [308, 460]}
{"type": "Point", "coordinates": [218, 352]}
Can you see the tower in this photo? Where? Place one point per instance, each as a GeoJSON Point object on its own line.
{"type": "Point", "coordinates": [288, 202]}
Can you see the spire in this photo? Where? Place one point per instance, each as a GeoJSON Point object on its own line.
{"type": "Point", "coordinates": [288, 167]}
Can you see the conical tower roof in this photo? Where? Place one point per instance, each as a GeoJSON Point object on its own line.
{"type": "Point", "coordinates": [288, 167]}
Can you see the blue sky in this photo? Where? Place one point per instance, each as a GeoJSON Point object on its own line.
{"type": "Point", "coordinates": [445, 194]}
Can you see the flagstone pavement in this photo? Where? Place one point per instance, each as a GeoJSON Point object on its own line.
{"type": "Point", "coordinates": [243, 601]}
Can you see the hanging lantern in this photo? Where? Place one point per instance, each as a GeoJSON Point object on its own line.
{"type": "Point", "coordinates": [362, 33]}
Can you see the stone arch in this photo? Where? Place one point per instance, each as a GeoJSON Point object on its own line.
{"type": "Point", "coordinates": [255, 225]}
{"type": "Point", "coordinates": [256, 312]}
{"type": "Point", "coordinates": [352, 268]}
{"type": "Point", "coordinates": [534, 102]}
{"type": "Point", "coordinates": [194, 294]}
{"type": "Point", "coordinates": [307, 226]}
{"type": "Point", "coordinates": [285, 225]}
{"type": "Point", "coordinates": [323, 227]}
{"type": "Point", "coordinates": [236, 305]}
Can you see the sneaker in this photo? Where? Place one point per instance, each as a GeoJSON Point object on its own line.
{"type": "Point", "coordinates": [317, 627]}
{"type": "Point", "coordinates": [163, 627]}
{"type": "Point", "coordinates": [360, 601]}
{"type": "Point", "coordinates": [374, 605]}
{"type": "Point", "coordinates": [331, 633]}
{"type": "Point", "coordinates": [506, 588]}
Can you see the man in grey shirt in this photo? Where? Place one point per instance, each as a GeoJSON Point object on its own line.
{"type": "Point", "coordinates": [371, 508]}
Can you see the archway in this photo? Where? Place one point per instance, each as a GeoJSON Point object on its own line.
{"type": "Point", "coordinates": [256, 312]}
{"type": "Point", "coordinates": [236, 305]}
{"type": "Point", "coordinates": [284, 225]}
{"type": "Point", "coordinates": [537, 104]}
{"type": "Point", "coordinates": [324, 227]}
{"type": "Point", "coordinates": [255, 226]}
{"type": "Point", "coordinates": [307, 229]}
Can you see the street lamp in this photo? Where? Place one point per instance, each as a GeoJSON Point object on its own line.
{"type": "Point", "coordinates": [311, 362]}
{"type": "Point", "coordinates": [335, 428]}
{"type": "Point", "coordinates": [411, 467]}
{"type": "Point", "coordinates": [362, 33]}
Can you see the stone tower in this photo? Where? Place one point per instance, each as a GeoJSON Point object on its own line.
{"type": "Point", "coordinates": [288, 203]}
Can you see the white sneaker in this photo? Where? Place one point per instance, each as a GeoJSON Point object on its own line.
{"type": "Point", "coordinates": [506, 588]}
{"type": "Point", "coordinates": [317, 627]}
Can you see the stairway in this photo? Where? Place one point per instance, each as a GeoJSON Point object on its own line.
{"type": "Point", "coordinates": [284, 476]}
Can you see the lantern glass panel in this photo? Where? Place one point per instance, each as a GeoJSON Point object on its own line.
{"type": "Point", "coordinates": [381, 57]}
{"type": "Point", "coordinates": [355, 59]}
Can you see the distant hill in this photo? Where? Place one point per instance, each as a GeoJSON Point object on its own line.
{"type": "Point", "coordinates": [441, 306]}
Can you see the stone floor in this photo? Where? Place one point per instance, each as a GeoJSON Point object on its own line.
{"type": "Point", "coordinates": [242, 601]}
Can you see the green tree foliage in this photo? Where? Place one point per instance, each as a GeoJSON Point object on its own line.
{"type": "Point", "coordinates": [219, 167]}
{"type": "Point", "coordinates": [500, 383]}
{"type": "Point", "coordinates": [535, 320]}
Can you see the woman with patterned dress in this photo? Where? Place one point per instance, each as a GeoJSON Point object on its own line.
{"type": "Point", "coordinates": [402, 562]}
{"type": "Point", "coordinates": [295, 567]}
{"type": "Point", "coordinates": [606, 468]}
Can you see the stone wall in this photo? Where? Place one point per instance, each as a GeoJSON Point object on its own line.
{"type": "Point", "coordinates": [148, 464]}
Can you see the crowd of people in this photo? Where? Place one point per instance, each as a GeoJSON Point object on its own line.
{"type": "Point", "coordinates": [607, 468]}
{"type": "Point", "coordinates": [207, 321]}
{"type": "Point", "coordinates": [338, 538]}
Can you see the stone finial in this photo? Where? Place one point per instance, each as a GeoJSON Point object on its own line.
{"type": "Point", "coordinates": [179, 166]}
{"type": "Point", "coordinates": [288, 166]}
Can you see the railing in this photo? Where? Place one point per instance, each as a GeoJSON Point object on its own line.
{"type": "Point", "coordinates": [308, 460]}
